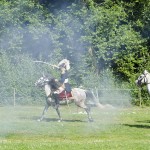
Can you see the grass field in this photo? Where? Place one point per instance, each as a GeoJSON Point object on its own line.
{"type": "Point", "coordinates": [113, 129]}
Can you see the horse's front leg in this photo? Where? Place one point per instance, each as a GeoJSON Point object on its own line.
{"type": "Point", "coordinates": [58, 112]}
{"type": "Point", "coordinates": [43, 113]}
{"type": "Point", "coordinates": [56, 104]}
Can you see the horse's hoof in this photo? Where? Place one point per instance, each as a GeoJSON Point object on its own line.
{"type": "Point", "coordinates": [39, 120]}
{"type": "Point", "coordinates": [91, 120]}
{"type": "Point", "coordinates": [60, 120]}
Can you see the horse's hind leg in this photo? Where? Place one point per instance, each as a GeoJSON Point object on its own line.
{"type": "Point", "coordinates": [88, 111]}
{"type": "Point", "coordinates": [43, 113]}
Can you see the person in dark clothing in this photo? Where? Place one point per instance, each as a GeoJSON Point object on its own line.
{"type": "Point", "coordinates": [64, 80]}
{"type": "Point", "coordinates": [63, 65]}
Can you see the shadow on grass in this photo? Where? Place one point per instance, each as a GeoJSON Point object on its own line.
{"type": "Point", "coordinates": [64, 120]}
{"type": "Point", "coordinates": [138, 126]}
{"type": "Point", "coordinates": [144, 121]}
{"type": "Point", "coordinates": [53, 119]}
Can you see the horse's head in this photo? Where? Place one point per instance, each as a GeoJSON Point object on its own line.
{"type": "Point", "coordinates": [42, 81]}
{"type": "Point", "coordinates": [143, 78]}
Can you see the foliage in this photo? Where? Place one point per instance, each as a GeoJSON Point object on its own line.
{"type": "Point", "coordinates": [95, 35]}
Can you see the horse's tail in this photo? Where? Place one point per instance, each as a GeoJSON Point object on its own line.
{"type": "Point", "coordinates": [92, 99]}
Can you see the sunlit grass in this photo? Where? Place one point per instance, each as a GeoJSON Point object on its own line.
{"type": "Point", "coordinates": [112, 129]}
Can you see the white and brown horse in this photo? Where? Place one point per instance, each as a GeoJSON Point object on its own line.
{"type": "Point", "coordinates": [144, 79]}
{"type": "Point", "coordinates": [82, 98]}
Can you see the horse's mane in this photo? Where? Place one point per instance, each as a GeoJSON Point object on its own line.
{"type": "Point", "coordinates": [54, 84]}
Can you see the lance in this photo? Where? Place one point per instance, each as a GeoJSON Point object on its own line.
{"type": "Point", "coordinates": [46, 63]}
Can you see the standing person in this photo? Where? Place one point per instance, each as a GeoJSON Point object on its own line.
{"type": "Point", "coordinates": [63, 66]}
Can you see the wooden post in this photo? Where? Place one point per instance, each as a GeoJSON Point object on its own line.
{"type": "Point", "coordinates": [140, 97]}
{"type": "Point", "coordinates": [14, 102]}
{"type": "Point", "coordinates": [97, 94]}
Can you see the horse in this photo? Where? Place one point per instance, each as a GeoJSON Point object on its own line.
{"type": "Point", "coordinates": [144, 79]}
{"type": "Point", "coordinates": [82, 98]}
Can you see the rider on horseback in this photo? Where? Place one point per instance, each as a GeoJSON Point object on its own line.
{"type": "Point", "coordinates": [64, 66]}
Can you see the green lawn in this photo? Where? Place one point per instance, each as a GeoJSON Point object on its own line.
{"type": "Point", "coordinates": [113, 129]}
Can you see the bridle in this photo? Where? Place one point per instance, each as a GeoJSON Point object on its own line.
{"type": "Point", "coordinates": [42, 82]}
{"type": "Point", "coordinates": [144, 78]}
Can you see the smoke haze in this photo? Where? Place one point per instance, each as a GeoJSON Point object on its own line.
{"type": "Point", "coordinates": [51, 43]}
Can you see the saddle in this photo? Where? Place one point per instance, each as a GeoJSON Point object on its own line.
{"type": "Point", "coordinates": [64, 95]}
